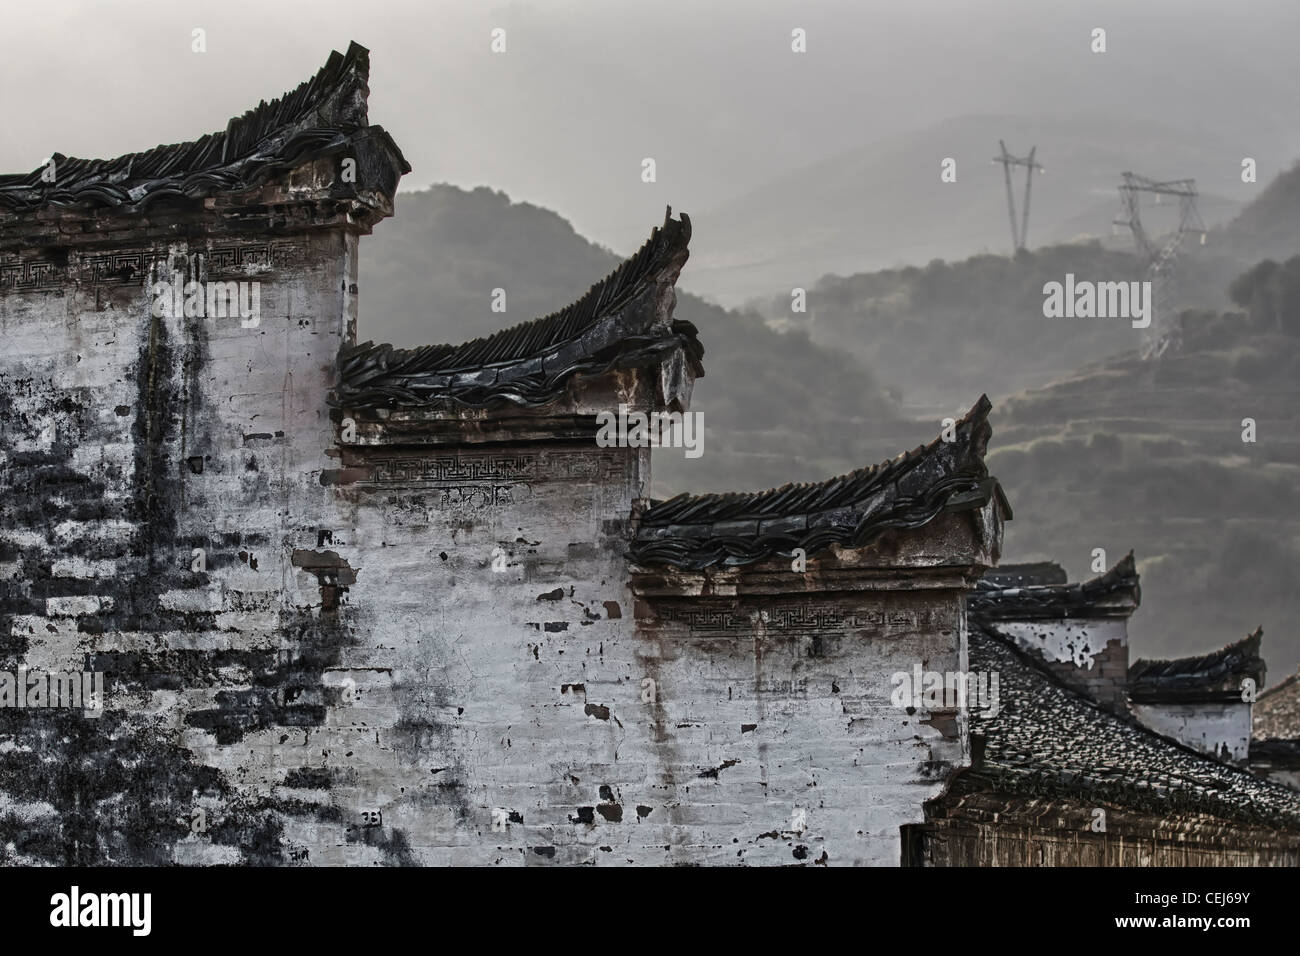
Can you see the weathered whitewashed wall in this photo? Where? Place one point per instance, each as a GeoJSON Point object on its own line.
{"type": "Point", "coordinates": [1089, 654]}
{"type": "Point", "coordinates": [402, 651]}
{"type": "Point", "coordinates": [1216, 728]}
{"type": "Point", "coordinates": [786, 680]}
{"type": "Point", "coordinates": [126, 443]}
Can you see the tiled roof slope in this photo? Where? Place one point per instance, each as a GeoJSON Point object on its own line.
{"type": "Point", "coordinates": [1047, 740]}
{"type": "Point", "coordinates": [701, 531]}
{"type": "Point", "coordinates": [316, 119]}
{"type": "Point", "coordinates": [1276, 714]}
{"type": "Point", "coordinates": [1214, 676]}
{"type": "Point", "coordinates": [994, 599]}
{"type": "Point", "coordinates": [623, 321]}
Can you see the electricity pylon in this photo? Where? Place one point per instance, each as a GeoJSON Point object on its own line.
{"type": "Point", "coordinates": [1161, 258]}
{"type": "Point", "coordinates": [1007, 161]}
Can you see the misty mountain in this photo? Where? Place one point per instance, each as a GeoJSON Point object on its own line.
{"type": "Point", "coordinates": [1269, 226]}
{"type": "Point", "coordinates": [941, 332]}
{"type": "Point", "coordinates": [1118, 453]}
{"type": "Point", "coordinates": [883, 205]}
{"type": "Point", "coordinates": [1097, 221]}
{"type": "Point", "coordinates": [1150, 455]}
{"type": "Point", "coordinates": [777, 406]}
{"type": "Point", "coordinates": [1100, 448]}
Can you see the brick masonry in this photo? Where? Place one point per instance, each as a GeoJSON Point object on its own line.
{"type": "Point", "coordinates": [420, 646]}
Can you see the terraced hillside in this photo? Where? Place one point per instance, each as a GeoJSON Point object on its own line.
{"type": "Point", "coordinates": [1129, 454]}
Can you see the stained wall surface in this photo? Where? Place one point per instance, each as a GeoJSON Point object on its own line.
{"type": "Point", "coordinates": [389, 651]}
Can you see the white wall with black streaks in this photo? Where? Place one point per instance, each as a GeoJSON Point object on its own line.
{"type": "Point", "coordinates": [420, 654]}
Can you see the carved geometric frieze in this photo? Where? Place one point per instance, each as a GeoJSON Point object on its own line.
{"type": "Point", "coordinates": [470, 480]}
{"type": "Point", "coordinates": [131, 266]}
{"type": "Point", "coordinates": [801, 618]}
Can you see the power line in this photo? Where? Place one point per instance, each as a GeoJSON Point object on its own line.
{"type": "Point", "coordinates": [1018, 237]}
{"type": "Point", "coordinates": [1161, 337]}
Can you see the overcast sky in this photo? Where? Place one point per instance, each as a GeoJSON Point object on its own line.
{"type": "Point", "coordinates": [588, 88]}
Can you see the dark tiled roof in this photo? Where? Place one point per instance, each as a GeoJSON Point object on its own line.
{"type": "Point", "coordinates": [1214, 676]}
{"type": "Point", "coordinates": [1047, 740]}
{"type": "Point", "coordinates": [625, 320]}
{"type": "Point", "coordinates": [699, 531]}
{"type": "Point", "coordinates": [316, 119]}
{"type": "Point", "coordinates": [993, 599]}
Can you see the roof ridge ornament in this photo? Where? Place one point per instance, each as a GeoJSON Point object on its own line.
{"type": "Point", "coordinates": [321, 116]}
{"type": "Point", "coordinates": [994, 598]}
{"type": "Point", "coordinates": [695, 532]}
{"type": "Point", "coordinates": [623, 321]}
{"type": "Point", "coordinates": [1205, 676]}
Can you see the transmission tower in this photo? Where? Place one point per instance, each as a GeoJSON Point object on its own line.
{"type": "Point", "coordinates": [1007, 161]}
{"type": "Point", "coordinates": [1161, 257]}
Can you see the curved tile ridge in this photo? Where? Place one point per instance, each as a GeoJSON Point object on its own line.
{"type": "Point", "coordinates": [316, 118]}
{"type": "Point", "coordinates": [623, 321]}
{"type": "Point", "coordinates": [993, 599]}
{"type": "Point", "coordinates": [699, 531]}
{"type": "Point", "coordinates": [1215, 675]}
{"type": "Point", "coordinates": [1045, 738]}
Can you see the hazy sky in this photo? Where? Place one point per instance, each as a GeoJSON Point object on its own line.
{"type": "Point", "coordinates": [588, 88]}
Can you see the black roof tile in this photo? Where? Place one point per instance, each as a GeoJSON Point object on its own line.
{"type": "Point", "coordinates": [739, 528]}
{"type": "Point", "coordinates": [1048, 740]}
{"type": "Point", "coordinates": [623, 321]}
{"type": "Point", "coordinates": [1214, 676]}
{"type": "Point", "coordinates": [317, 118]}
{"type": "Point", "coordinates": [995, 598]}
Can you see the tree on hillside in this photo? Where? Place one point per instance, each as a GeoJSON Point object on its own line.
{"type": "Point", "coordinates": [1270, 292]}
